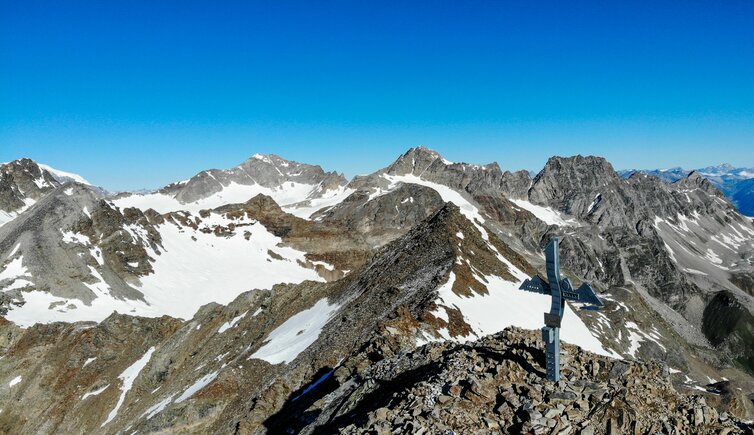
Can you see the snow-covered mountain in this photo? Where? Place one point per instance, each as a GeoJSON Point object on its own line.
{"type": "Point", "coordinates": [223, 300]}
{"type": "Point", "coordinates": [735, 183]}
{"type": "Point", "coordinates": [63, 176]}
{"type": "Point", "coordinates": [299, 187]}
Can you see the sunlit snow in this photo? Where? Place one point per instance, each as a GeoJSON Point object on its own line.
{"type": "Point", "coordinates": [95, 392]}
{"type": "Point", "coordinates": [196, 386]}
{"type": "Point", "coordinates": [506, 305]}
{"type": "Point", "coordinates": [194, 268]}
{"type": "Point", "coordinates": [229, 324]}
{"type": "Point", "coordinates": [128, 377]}
{"type": "Point", "coordinates": [64, 176]}
{"type": "Point", "coordinates": [14, 381]}
{"type": "Point", "coordinates": [295, 334]}
{"type": "Point", "coordinates": [545, 214]}
{"type": "Point", "coordinates": [234, 193]}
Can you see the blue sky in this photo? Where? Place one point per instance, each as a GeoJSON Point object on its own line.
{"type": "Point", "coordinates": [139, 94]}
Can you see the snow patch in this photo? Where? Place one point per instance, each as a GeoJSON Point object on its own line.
{"type": "Point", "coordinates": [287, 194]}
{"type": "Point", "coordinates": [128, 377]}
{"type": "Point", "coordinates": [231, 323]}
{"type": "Point", "coordinates": [597, 199]}
{"type": "Point", "coordinates": [505, 305]}
{"type": "Point", "coordinates": [196, 386]}
{"type": "Point", "coordinates": [63, 176]}
{"type": "Point", "coordinates": [297, 333]}
{"type": "Point", "coordinates": [71, 237]}
{"type": "Point", "coordinates": [95, 392]}
{"type": "Point", "coordinates": [14, 381]}
{"type": "Point", "coordinates": [14, 269]}
{"type": "Point", "coordinates": [329, 199]}
{"type": "Point", "coordinates": [158, 407]}
{"type": "Point", "coordinates": [184, 278]}
{"type": "Point", "coordinates": [545, 214]}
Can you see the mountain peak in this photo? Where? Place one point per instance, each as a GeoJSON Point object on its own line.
{"type": "Point", "coordinates": [270, 158]}
{"type": "Point", "coordinates": [579, 162]}
{"type": "Point", "coordinates": [422, 150]}
{"type": "Point", "coordinates": [577, 169]}
{"type": "Point", "coordinates": [417, 161]}
{"type": "Point", "coordinates": [22, 183]}
{"type": "Point", "coordinates": [22, 162]}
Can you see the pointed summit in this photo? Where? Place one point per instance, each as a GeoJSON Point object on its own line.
{"type": "Point", "coordinates": [571, 174]}
{"type": "Point", "coordinates": [22, 183]}
{"type": "Point", "coordinates": [416, 161]}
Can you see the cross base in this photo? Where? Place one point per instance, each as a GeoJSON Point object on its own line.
{"type": "Point", "coordinates": [551, 337]}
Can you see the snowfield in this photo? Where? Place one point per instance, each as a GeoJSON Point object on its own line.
{"type": "Point", "coordinates": [288, 194]}
{"type": "Point", "coordinates": [6, 217]}
{"type": "Point", "coordinates": [193, 269]}
{"type": "Point", "coordinates": [546, 214]}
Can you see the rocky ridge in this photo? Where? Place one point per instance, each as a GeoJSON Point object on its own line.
{"type": "Point", "coordinates": [22, 183]}
{"type": "Point", "coordinates": [735, 183]}
{"type": "Point", "coordinates": [497, 384]}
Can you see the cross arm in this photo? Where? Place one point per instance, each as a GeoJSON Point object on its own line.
{"type": "Point", "coordinates": [584, 294]}
{"type": "Point", "coordinates": [535, 285]}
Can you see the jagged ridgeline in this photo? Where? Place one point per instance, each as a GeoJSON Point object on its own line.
{"type": "Point", "coordinates": [277, 297]}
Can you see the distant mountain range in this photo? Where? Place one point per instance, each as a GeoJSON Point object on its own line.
{"type": "Point", "coordinates": [736, 183]}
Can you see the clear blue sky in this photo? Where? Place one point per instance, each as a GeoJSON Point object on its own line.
{"type": "Point", "coordinates": [137, 94]}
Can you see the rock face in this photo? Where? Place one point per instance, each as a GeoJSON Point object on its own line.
{"type": "Point", "coordinates": [385, 217]}
{"type": "Point", "coordinates": [589, 188]}
{"type": "Point", "coordinates": [22, 183]}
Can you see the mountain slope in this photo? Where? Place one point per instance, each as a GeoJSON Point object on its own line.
{"type": "Point", "coordinates": [255, 340]}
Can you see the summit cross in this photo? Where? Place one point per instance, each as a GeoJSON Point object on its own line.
{"type": "Point", "coordinates": [560, 290]}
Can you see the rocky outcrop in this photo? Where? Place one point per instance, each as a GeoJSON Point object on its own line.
{"type": "Point", "coordinates": [22, 183]}
{"type": "Point", "coordinates": [497, 384]}
{"type": "Point", "coordinates": [385, 217]}
{"type": "Point", "coordinates": [730, 327]}
{"type": "Point", "coordinates": [735, 183]}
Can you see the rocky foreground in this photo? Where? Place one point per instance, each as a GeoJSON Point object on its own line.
{"type": "Point", "coordinates": [497, 384]}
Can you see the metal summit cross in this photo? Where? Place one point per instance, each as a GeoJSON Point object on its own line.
{"type": "Point", "coordinates": [560, 289]}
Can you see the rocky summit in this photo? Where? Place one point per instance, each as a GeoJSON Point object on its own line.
{"type": "Point", "coordinates": [280, 297]}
